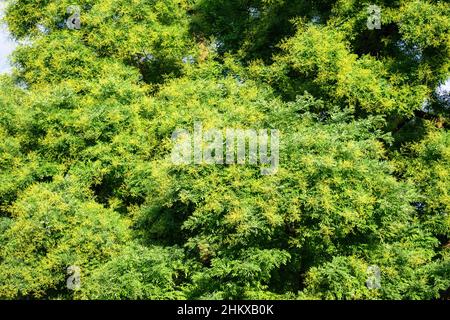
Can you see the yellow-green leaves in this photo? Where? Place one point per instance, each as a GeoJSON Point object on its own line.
{"type": "Point", "coordinates": [87, 181]}
{"type": "Point", "coordinates": [321, 56]}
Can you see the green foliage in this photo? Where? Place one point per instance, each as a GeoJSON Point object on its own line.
{"type": "Point", "coordinates": [427, 165]}
{"type": "Point", "coordinates": [87, 180]}
{"type": "Point", "coordinates": [320, 55]}
{"type": "Point", "coordinates": [51, 229]}
{"type": "Point", "coordinates": [137, 273]}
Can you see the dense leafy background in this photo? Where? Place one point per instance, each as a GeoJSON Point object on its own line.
{"type": "Point", "coordinates": [86, 176]}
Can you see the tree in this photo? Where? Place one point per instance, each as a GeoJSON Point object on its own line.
{"type": "Point", "coordinates": [87, 177]}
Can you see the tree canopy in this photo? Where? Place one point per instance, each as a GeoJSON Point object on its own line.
{"type": "Point", "coordinates": [87, 180]}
